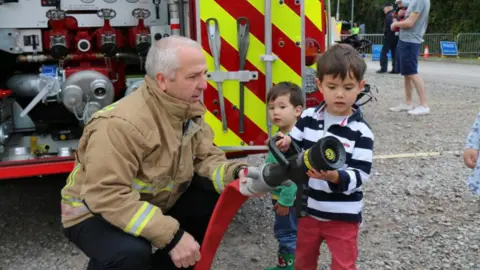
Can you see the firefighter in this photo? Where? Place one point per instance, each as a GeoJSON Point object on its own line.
{"type": "Point", "coordinates": [146, 169]}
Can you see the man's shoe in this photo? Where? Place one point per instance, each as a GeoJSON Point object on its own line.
{"type": "Point", "coordinates": [381, 71]}
{"type": "Point", "coordinates": [285, 262]}
{"type": "Point", "coordinates": [402, 108]}
{"type": "Point", "coordinates": [394, 72]}
{"type": "Point", "coordinates": [420, 110]}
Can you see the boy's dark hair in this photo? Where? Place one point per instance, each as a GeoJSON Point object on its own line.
{"type": "Point", "coordinates": [343, 60]}
{"type": "Point", "coordinates": [284, 88]}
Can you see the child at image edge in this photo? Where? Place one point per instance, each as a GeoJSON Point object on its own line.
{"type": "Point", "coordinates": [470, 156]}
{"type": "Point", "coordinates": [334, 199]}
{"type": "Point", "coordinates": [285, 103]}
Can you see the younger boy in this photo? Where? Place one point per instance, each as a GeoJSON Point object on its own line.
{"type": "Point", "coordinates": [334, 199]}
{"type": "Point", "coordinates": [285, 103]}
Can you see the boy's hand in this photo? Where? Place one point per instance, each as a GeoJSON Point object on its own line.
{"type": "Point", "coordinates": [470, 156]}
{"type": "Point", "coordinates": [281, 209]}
{"type": "Point", "coordinates": [393, 26]}
{"type": "Point", "coordinates": [330, 176]}
{"type": "Point", "coordinates": [284, 143]}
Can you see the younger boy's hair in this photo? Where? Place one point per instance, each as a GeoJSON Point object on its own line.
{"type": "Point", "coordinates": [285, 88]}
{"type": "Point", "coordinates": [343, 60]}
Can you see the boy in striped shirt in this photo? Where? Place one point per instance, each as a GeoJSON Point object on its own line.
{"type": "Point", "coordinates": [334, 199]}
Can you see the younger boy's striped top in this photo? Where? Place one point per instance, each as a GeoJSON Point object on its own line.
{"type": "Point", "coordinates": [342, 201]}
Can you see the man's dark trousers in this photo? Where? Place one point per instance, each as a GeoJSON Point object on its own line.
{"type": "Point", "coordinates": [109, 247]}
{"type": "Point", "coordinates": [389, 44]}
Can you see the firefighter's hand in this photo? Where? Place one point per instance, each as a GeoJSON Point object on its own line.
{"type": "Point", "coordinates": [281, 209]}
{"type": "Point", "coordinates": [470, 157]}
{"type": "Point", "coordinates": [186, 253]}
{"type": "Point", "coordinates": [246, 181]}
{"type": "Point", "coordinates": [284, 143]}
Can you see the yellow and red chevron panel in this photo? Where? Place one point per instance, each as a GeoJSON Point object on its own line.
{"type": "Point", "coordinates": [286, 38]}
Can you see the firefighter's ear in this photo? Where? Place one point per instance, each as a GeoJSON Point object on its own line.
{"type": "Point", "coordinates": [161, 80]}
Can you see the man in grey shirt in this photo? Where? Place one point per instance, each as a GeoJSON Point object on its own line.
{"type": "Point", "coordinates": [412, 30]}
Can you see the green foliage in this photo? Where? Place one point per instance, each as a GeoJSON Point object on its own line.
{"type": "Point", "coordinates": [446, 16]}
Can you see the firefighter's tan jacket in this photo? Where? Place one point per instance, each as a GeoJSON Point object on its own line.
{"type": "Point", "coordinates": [134, 160]}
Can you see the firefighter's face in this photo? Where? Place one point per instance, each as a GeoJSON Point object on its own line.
{"type": "Point", "coordinates": [340, 94]}
{"type": "Point", "coordinates": [190, 78]}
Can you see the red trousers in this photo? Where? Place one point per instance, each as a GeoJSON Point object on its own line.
{"type": "Point", "coordinates": [341, 238]}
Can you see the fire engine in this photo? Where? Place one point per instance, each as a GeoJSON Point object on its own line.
{"type": "Point", "coordinates": [63, 60]}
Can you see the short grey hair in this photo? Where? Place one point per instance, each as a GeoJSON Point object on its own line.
{"type": "Point", "coordinates": [162, 56]}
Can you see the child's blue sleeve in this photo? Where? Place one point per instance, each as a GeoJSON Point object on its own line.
{"type": "Point", "coordinates": [473, 139]}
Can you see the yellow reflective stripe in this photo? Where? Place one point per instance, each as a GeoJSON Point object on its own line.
{"type": "Point", "coordinates": [71, 177]}
{"type": "Point", "coordinates": [221, 138]}
{"type": "Point", "coordinates": [143, 215]}
{"type": "Point", "coordinates": [314, 11]}
{"type": "Point", "coordinates": [283, 17]}
{"type": "Point", "coordinates": [75, 202]}
{"type": "Point", "coordinates": [256, 48]}
{"type": "Point", "coordinates": [255, 104]}
{"type": "Point", "coordinates": [289, 23]}
{"type": "Point", "coordinates": [217, 178]}
{"type": "Point", "coordinates": [169, 187]}
{"type": "Point", "coordinates": [228, 26]}
{"type": "Point", "coordinates": [109, 107]}
{"type": "Point", "coordinates": [147, 188]}
{"type": "Point", "coordinates": [72, 207]}
{"type": "Point", "coordinates": [306, 161]}
{"type": "Point", "coordinates": [142, 187]}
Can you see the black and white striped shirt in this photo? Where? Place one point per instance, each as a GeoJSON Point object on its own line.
{"type": "Point", "coordinates": [342, 201]}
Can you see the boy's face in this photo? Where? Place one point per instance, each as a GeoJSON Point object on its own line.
{"type": "Point", "coordinates": [340, 95]}
{"type": "Point", "coordinates": [282, 113]}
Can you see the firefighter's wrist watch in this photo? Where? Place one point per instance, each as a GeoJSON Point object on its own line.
{"type": "Point", "coordinates": [237, 171]}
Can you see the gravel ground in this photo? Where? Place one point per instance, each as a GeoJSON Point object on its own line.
{"type": "Point", "coordinates": [418, 214]}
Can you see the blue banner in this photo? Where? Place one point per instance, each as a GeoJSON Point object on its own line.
{"type": "Point", "coordinates": [376, 51]}
{"type": "Point", "coordinates": [449, 48]}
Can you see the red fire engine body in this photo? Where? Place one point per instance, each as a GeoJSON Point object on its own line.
{"type": "Point", "coordinates": [63, 60]}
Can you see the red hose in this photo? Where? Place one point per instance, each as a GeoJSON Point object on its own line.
{"type": "Point", "coordinates": [227, 206]}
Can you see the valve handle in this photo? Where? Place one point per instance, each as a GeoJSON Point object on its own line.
{"type": "Point", "coordinates": [140, 13]}
{"type": "Point", "coordinates": [278, 155]}
{"type": "Point", "coordinates": [56, 14]}
{"type": "Point", "coordinates": [106, 13]}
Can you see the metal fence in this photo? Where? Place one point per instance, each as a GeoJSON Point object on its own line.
{"type": "Point", "coordinates": [467, 43]}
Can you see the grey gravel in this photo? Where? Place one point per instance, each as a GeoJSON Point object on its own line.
{"type": "Point", "coordinates": [418, 211]}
